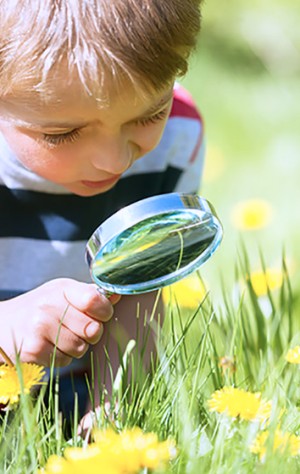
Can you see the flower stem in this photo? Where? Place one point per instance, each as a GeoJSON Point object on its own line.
{"type": "Point", "coordinates": [6, 358]}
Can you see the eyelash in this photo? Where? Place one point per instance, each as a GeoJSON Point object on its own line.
{"type": "Point", "coordinates": [153, 119]}
{"type": "Point", "coordinates": [59, 139]}
{"type": "Point", "coordinates": [73, 135]}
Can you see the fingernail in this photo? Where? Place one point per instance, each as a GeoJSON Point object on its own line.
{"type": "Point", "coordinates": [82, 347]}
{"type": "Point", "coordinates": [92, 329]}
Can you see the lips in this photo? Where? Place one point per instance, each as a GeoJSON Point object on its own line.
{"type": "Point", "coordinates": [101, 184]}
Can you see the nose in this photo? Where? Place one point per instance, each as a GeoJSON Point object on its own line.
{"type": "Point", "coordinates": [114, 154]}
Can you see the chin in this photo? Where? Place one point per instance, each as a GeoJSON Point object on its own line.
{"type": "Point", "coordinates": [85, 192]}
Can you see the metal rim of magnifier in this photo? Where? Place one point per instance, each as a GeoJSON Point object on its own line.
{"type": "Point", "coordinates": [140, 211]}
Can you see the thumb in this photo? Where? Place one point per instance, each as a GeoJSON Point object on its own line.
{"type": "Point", "coordinates": [86, 298]}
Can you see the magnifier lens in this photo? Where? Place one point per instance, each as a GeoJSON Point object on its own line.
{"type": "Point", "coordinates": [156, 251]}
{"type": "Point", "coordinates": [153, 248]}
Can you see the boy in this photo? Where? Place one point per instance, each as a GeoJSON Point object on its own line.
{"type": "Point", "coordinates": [90, 121]}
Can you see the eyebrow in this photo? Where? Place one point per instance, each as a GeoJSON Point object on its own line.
{"type": "Point", "coordinates": [160, 104]}
{"type": "Point", "coordinates": [56, 124]}
{"type": "Point", "coordinates": [72, 125]}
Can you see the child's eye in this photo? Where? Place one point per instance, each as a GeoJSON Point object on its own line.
{"type": "Point", "coordinates": [154, 118]}
{"type": "Point", "coordinates": [60, 138]}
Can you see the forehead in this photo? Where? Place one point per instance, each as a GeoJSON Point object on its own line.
{"type": "Point", "coordinates": [60, 91]}
{"type": "Point", "coordinates": [64, 82]}
{"type": "Point", "coordinates": [69, 102]}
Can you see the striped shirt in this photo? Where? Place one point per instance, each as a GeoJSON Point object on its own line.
{"type": "Point", "coordinates": [44, 228]}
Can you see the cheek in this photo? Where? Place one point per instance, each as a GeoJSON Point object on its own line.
{"type": "Point", "coordinates": [147, 138]}
{"type": "Point", "coordinates": [22, 146]}
{"type": "Point", "coordinates": [46, 163]}
{"type": "Point", "coordinates": [34, 157]}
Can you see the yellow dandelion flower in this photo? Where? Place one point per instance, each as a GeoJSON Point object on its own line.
{"type": "Point", "coordinates": [239, 403]}
{"type": "Point", "coordinates": [271, 279]}
{"type": "Point", "coordinates": [10, 385]}
{"type": "Point", "coordinates": [139, 449]}
{"type": "Point", "coordinates": [57, 465]}
{"type": "Point", "coordinates": [113, 453]}
{"type": "Point", "coordinates": [94, 459]}
{"type": "Point", "coordinates": [293, 355]}
{"type": "Point", "coordinates": [252, 214]}
{"type": "Point", "coordinates": [282, 442]}
{"type": "Point", "coordinates": [186, 293]}
{"type": "Point", "coordinates": [88, 460]}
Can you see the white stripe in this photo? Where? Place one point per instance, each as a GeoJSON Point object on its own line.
{"type": "Point", "coordinates": [190, 179]}
{"type": "Point", "coordinates": [27, 263]}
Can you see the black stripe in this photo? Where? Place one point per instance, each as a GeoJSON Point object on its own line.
{"type": "Point", "coordinates": [8, 294]}
{"type": "Point", "coordinates": [32, 214]}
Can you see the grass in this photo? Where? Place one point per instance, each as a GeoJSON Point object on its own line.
{"type": "Point", "coordinates": [253, 333]}
{"type": "Point", "coordinates": [239, 333]}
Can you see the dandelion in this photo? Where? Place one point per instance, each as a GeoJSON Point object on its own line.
{"type": "Point", "coordinates": [293, 355]}
{"type": "Point", "coordinates": [281, 442]}
{"type": "Point", "coordinates": [144, 449]}
{"type": "Point", "coordinates": [239, 403]}
{"type": "Point", "coordinates": [186, 293]}
{"type": "Point", "coordinates": [252, 214]}
{"type": "Point", "coordinates": [114, 453]}
{"type": "Point", "coordinates": [10, 384]}
{"type": "Point", "coordinates": [58, 465]}
{"type": "Point", "coordinates": [263, 281]}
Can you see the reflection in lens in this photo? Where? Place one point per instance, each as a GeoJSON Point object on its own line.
{"type": "Point", "coordinates": [153, 248]}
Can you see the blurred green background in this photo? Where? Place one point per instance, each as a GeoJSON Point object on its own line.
{"type": "Point", "coordinates": [245, 79]}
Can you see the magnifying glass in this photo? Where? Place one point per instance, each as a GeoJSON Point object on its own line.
{"type": "Point", "coordinates": [153, 243]}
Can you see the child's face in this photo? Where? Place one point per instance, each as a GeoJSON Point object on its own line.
{"type": "Point", "coordinates": [80, 146]}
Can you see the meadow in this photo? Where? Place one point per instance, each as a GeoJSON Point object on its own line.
{"type": "Point", "coordinates": [223, 395]}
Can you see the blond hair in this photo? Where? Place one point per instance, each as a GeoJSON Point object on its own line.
{"type": "Point", "coordinates": [147, 42]}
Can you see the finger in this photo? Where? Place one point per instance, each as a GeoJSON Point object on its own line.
{"type": "Point", "coordinates": [114, 298]}
{"type": "Point", "coordinates": [66, 341]}
{"type": "Point", "coordinates": [88, 300]}
{"type": "Point", "coordinates": [87, 423]}
{"type": "Point", "coordinates": [82, 325]}
{"type": "Point", "coordinates": [44, 355]}
{"type": "Point", "coordinates": [60, 358]}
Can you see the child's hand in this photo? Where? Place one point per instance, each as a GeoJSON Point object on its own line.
{"type": "Point", "coordinates": [91, 419]}
{"type": "Point", "coordinates": [62, 312]}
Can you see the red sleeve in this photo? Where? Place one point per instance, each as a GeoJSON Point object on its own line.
{"type": "Point", "coordinates": [184, 106]}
